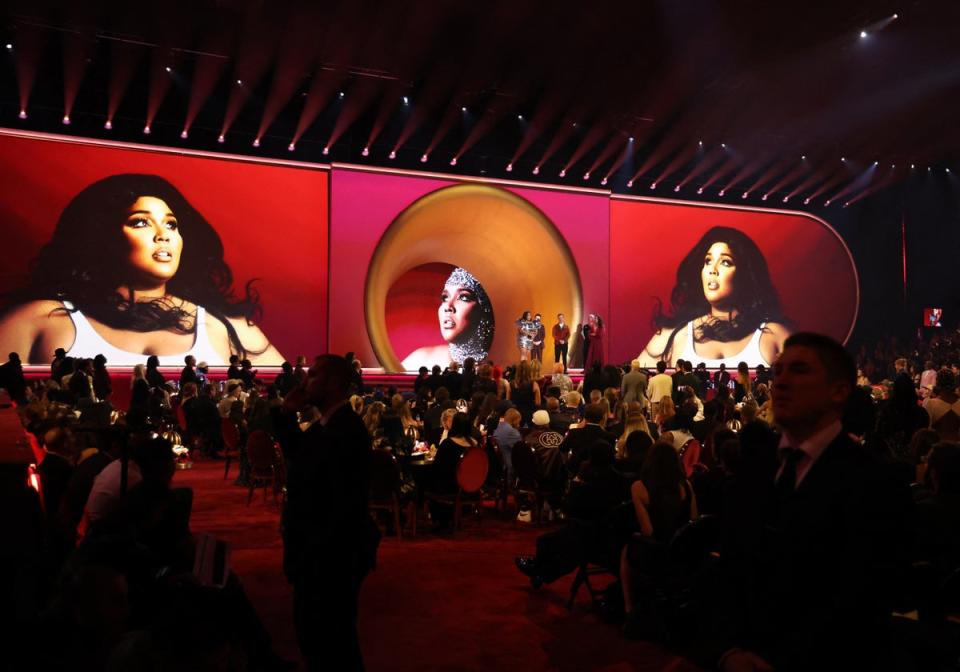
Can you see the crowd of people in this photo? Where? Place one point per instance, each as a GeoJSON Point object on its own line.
{"type": "Point", "coordinates": [817, 505]}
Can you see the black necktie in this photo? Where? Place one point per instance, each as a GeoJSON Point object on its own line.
{"type": "Point", "coordinates": [787, 482]}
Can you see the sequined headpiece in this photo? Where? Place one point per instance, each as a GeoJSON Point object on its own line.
{"type": "Point", "coordinates": [477, 344]}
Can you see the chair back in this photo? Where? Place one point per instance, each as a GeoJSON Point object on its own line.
{"type": "Point", "coordinates": [230, 433]}
{"type": "Point", "coordinates": [524, 465]}
{"type": "Point", "coordinates": [690, 455]}
{"type": "Point", "coordinates": [472, 470]}
{"type": "Point", "coordinates": [693, 542]}
{"type": "Point", "coordinates": [181, 418]}
{"type": "Point", "coordinates": [384, 475]}
{"type": "Point", "coordinates": [261, 453]}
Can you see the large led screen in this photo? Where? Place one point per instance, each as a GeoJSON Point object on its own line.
{"type": "Point", "coordinates": [130, 252]}
{"type": "Point", "coordinates": [716, 284]}
{"type": "Point", "coordinates": [425, 269]}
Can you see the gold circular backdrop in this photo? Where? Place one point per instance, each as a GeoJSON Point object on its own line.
{"type": "Point", "coordinates": [505, 242]}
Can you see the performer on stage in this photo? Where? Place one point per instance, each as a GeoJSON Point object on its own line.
{"type": "Point", "coordinates": [526, 331]}
{"type": "Point", "coordinates": [538, 339]}
{"type": "Point", "coordinates": [561, 339]}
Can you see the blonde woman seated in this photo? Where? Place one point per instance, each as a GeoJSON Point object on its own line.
{"type": "Point", "coordinates": [371, 419]}
{"type": "Point", "coordinates": [635, 422]}
{"type": "Point", "coordinates": [665, 412]}
{"type": "Point", "coordinates": [401, 409]}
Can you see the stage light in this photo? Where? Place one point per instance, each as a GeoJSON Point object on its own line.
{"type": "Point", "coordinates": [221, 139]}
{"type": "Point", "coordinates": [676, 188]}
{"type": "Point", "coordinates": [563, 172]}
{"type": "Point", "coordinates": [9, 47]}
{"type": "Point", "coordinates": [239, 82]}
{"type": "Point", "coordinates": [803, 157]}
{"type": "Point", "coordinates": [603, 182]}
{"type": "Point", "coordinates": [928, 169]}
{"type": "Point", "coordinates": [586, 176]}
{"type": "Point", "coordinates": [423, 158]}
{"type": "Point", "coordinates": [764, 197]}
{"type": "Point", "coordinates": [509, 167]}
{"type": "Point", "coordinates": [108, 125]}
{"type": "Point", "coordinates": [453, 161]}
{"type": "Point", "coordinates": [365, 152]}
{"type": "Point", "coordinates": [168, 68]}
{"type": "Point", "coordinates": [745, 194]}
{"type": "Point", "coordinates": [722, 192]}
{"type": "Point", "coordinates": [23, 114]}
{"type": "Point", "coordinates": [699, 190]}
{"type": "Point", "coordinates": [629, 184]}
{"type": "Point", "coordinates": [184, 134]}
{"type": "Point", "coordinates": [723, 144]}
{"type": "Point", "coordinates": [326, 150]}
{"type": "Point", "coordinates": [700, 143]}
{"type": "Point", "coordinates": [574, 124]}
{"type": "Point", "coordinates": [653, 185]}
{"type": "Point", "coordinates": [463, 109]}
{"type": "Point", "coordinates": [256, 142]}
{"type": "Point", "coordinates": [893, 165]}
{"type": "Point", "coordinates": [806, 201]}
{"type": "Point", "coordinates": [863, 34]}
{"type": "Point", "coordinates": [292, 146]}
{"type": "Point", "coordinates": [393, 154]}
{"type": "Point", "coordinates": [146, 129]}
{"type": "Point", "coordinates": [947, 169]}
{"type": "Point", "coordinates": [631, 138]}
{"type": "Point", "coordinates": [875, 162]}
{"type": "Point", "coordinates": [843, 158]}
{"type": "Point", "coordinates": [536, 170]}
{"type": "Point", "coordinates": [826, 203]}
{"type": "Point", "coordinates": [912, 166]}
{"type": "Point", "coordinates": [406, 101]}
{"type": "Point", "coordinates": [342, 95]}
{"type": "Point", "coordinates": [786, 198]}
{"type": "Point", "coordinates": [896, 16]}
{"type": "Point", "coordinates": [66, 120]}
{"type": "Point", "coordinates": [519, 117]}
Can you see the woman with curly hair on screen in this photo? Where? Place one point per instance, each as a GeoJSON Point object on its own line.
{"type": "Point", "coordinates": [134, 270]}
{"type": "Point", "coordinates": [723, 308]}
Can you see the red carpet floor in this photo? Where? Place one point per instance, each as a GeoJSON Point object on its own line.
{"type": "Point", "coordinates": [432, 603]}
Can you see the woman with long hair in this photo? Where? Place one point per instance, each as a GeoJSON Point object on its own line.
{"type": "Point", "coordinates": [665, 413]}
{"type": "Point", "coordinates": [723, 307]}
{"type": "Point", "coordinates": [743, 385]}
{"type": "Point", "coordinates": [133, 269]}
{"type": "Point", "coordinates": [526, 331]}
{"type": "Point", "coordinates": [597, 350]}
{"type": "Point", "coordinates": [525, 391]}
{"type": "Point", "coordinates": [466, 324]}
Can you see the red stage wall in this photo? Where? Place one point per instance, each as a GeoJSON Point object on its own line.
{"type": "Point", "coordinates": [809, 264]}
{"type": "Point", "coordinates": [364, 204]}
{"type": "Point", "coordinates": [271, 218]}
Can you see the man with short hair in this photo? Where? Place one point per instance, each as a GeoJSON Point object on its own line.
{"type": "Point", "coordinates": [633, 385]}
{"type": "Point", "coordinates": [453, 381]}
{"type": "Point", "coordinates": [721, 378]}
{"type": "Point", "coordinates": [561, 340]}
{"type": "Point", "coordinates": [329, 539]}
{"type": "Point", "coordinates": [579, 440]}
{"type": "Point", "coordinates": [560, 421]}
{"type": "Point", "coordinates": [660, 386]}
{"type": "Point", "coordinates": [507, 434]}
{"type": "Point", "coordinates": [189, 373]}
{"type": "Point", "coordinates": [816, 599]}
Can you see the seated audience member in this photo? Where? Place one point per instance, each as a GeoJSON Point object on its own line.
{"type": "Point", "coordinates": [818, 599]}
{"type": "Point", "coordinates": [663, 502]}
{"type": "Point", "coordinates": [57, 467]}
{"type": "Point", "coordinates": [943, 406]}
{"type": "Point", "coordinates": [441, 402]}
{"type": "Point", "coordinates": [546, 446]}
{"type": "Point", "coordinates": [507, 434]}
{"type": "Point", "coordinates": [445, 464]}
{"type": "Point", "coordinates": [559, 420]}
{"type": "Point", "coordinates": [633, 453]}
{"type": "Point", "coordinates": [938, 517]}
{"type": "Point", "coordinates": [560, 379]}
{"type": "Point", "coordinates": [578, 443]}
{"type": "Point", "coordinates": [587, 531]}
{"type": "Point", "coordinates": [634, 422]}
{"type": "Point", "coordinates": [90, 461]}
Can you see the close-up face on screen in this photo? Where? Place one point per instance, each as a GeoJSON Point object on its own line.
{"type": "Point", "coordinates": [187, 255]}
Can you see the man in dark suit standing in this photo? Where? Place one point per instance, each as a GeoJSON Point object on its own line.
{"type": "Point", "coordinates": [817, 597]}
{"type": "Point", "coordinates": [579, 440]}
{"type": "Point", "coordinates": [328, 536]}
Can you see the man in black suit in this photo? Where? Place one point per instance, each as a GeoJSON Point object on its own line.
{"type": "Point", "coordinates": [817, 597]}
{"type": "Point", "coordinates": [722, 377]}
{"type": "Point", "coordinates": [453, 381]}
{"type": "Point", "coordinates": [329, 538]}
{"type": "Point", "coordinates": [579, 440]}
{"type": "Point", "coordinates": [189, 372]}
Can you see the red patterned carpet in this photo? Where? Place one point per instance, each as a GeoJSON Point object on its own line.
{"type": "Point", "coordinates": [432, 603]}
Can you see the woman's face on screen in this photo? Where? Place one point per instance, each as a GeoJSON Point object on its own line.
{"type": "Point", "coordinates": [153, 240]}
{"type": "Point", "coordinates": [718, 273]}
{"type": "Point", "coordinates": [458, 312]}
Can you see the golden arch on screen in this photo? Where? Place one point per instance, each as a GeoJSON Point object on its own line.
{"type": "Point", "coordinates": [508, 244]}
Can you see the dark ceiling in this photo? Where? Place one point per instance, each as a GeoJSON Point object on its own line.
{"type": "Point", "coordinates": [553, 86]}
